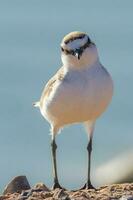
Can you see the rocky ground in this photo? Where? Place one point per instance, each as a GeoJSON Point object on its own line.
{"type": "Point", "coordinates": [15, 191]}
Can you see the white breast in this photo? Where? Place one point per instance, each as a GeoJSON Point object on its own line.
{"type": "Point", "coordinates": [83, 95]}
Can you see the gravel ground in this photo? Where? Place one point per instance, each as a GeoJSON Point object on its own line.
{"type": "Point", "coordinates": [40, 192]}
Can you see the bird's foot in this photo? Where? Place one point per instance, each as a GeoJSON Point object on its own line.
{"type": "Point", "coordinates": [87, 186]}
{"type": "Point", "coordinates": [57, 185]}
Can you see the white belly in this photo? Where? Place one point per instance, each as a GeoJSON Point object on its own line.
{"type": "Point", "coordinates": [81, 96]}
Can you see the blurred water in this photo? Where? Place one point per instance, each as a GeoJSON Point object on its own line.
{"type": "Point", "coordinates": [30, 35]}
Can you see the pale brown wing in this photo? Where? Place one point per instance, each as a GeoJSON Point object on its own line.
{"type": "Point", "coordinates": [49, 86]}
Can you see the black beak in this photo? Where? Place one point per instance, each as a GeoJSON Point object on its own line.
{"type": "Point", "coordinates": [77, 53]}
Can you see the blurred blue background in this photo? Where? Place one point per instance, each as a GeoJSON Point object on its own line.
{"type": "Point", "coordinates": [30, 36]}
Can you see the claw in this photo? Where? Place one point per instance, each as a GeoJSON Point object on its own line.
{"type": "Point", "coordinates": [87, 186]}
{"type": "Point", "coordinates": [57, 185]}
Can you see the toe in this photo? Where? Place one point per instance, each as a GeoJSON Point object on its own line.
{"type": "Point", "coordinates": [57, 185]}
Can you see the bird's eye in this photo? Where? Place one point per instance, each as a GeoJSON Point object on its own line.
{"type": "Point", "coordinates": [62, 49]}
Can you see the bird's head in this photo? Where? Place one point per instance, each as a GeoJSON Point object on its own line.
{"type": "Point", "coordinates": [78, 50]}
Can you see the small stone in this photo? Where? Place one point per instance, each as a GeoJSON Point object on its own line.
{"type": "Point", "coordinates": [34, 192]}
{"type": "Point", "coordinates": [41, 187]}
{"type": "Point", "coordinates": [18, 184]}
{"type": "Point", "coordinates": [126, 197]}
{"type": "Point", "coordinates": [60, 194]}
{"type": "Point", "coordinates": [2, 197]}
{"type": "Point", "coordinates": [46, 195]}
{"type": "Point", "coordinates": [25, 194]}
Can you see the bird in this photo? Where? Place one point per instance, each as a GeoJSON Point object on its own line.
{"type": "Point", "coordinates": [79, 92]}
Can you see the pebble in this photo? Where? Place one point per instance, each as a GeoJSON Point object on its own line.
{"type": "Point", "coordinates": [126, 197]}
{"type": "Point", "coordinates": [17, 184]}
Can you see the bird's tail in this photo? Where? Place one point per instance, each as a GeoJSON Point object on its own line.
{"type": "Point", "coordinates": [36, 104]}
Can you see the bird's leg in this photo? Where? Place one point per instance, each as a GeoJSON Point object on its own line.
{"type": "Point", "coordinates": [54, 147]}
{"type": "Point", "coordinates": [89, 149]}
{"type": "Point", "coordinates": [88, 184]}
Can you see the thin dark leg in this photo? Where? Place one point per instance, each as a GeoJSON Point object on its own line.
{"type": "Point", "coordinates": [54, 147]}
{"type": "Point", "coordinates": [88, 184]}
{"type": "Point", "coordinates": [89, 149]}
